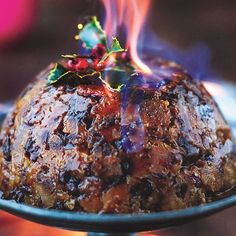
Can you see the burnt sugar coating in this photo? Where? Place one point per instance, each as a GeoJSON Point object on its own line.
{"type": "Point", "coordinates": [81, 146]}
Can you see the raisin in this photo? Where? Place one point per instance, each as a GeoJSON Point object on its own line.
{"type": "Point", "coordinates": [88, 171]}
{"type": "Point", "coordinates": [108, 122]}
{"type": "Point", "coordinates": [142, 188]}
{"type": "Point", "coordinates": [88, 121]}
{"type": "Point", "coordinates": [45, 138]}
{"type": "Point", "coordinates": [45, 169]}
{"type": "Point", "coordinates": [196, 181]}
{"type": "Point", "coordinates": [28, 147]}
{"type": "Point", "coordinates": [112, 182]}
{"type": "Point", "coordinates": [126, 166]}
{"type": "Point", "coordinates": [32, 152]}
{"type": "Point", "coordinates": [106, 149]}
{"type": "Point", "coordinates": [65, 176]}
{"type": "Point", "coordinates": [181, 190]}
{"type": "Point", "coordinates": [7, 148]}
{"type": "Point", "coordinates": [71, 180]}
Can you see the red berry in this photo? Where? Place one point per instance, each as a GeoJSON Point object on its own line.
{"type": "Point", "coordinates": [82, 65]}
{"type": "Point", "coordinates": [97, 65]}
{"type": "Point", "coordinates": [99, 50]}
{"type": "Point", "coordinates": [125, 56]}
{"type": "Point", "coordinates": [72, 63]}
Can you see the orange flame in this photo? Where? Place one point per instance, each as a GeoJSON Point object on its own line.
{"type": "Point", "coordinates": [130, 14]}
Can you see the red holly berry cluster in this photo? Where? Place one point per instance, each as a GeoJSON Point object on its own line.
{"type": "Point", "coordinates": [98, 51]}
{"type": "Point", "coordinates": [83, 64]}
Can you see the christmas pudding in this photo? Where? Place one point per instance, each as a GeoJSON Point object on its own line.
{"type": "Point", "coordinates": [93, 133]}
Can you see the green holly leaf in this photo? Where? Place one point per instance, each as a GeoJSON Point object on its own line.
{"type": "Point", "coordinates": [120, 87]}
{"type": "Point", "coordinates": [115, 48]}
{"type": "Point", "coordinates": [68, 56]}
{"type": "Point", "coordinates": [92, 34]}
{"type": "Point", "coordinates": [57, 73]}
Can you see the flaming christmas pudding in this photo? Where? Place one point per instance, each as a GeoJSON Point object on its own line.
{"type": "Point", "coordinates": [104, 133]}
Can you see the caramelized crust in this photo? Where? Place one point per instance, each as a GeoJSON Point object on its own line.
{"type": "Point", "coordinates": [82, 146]}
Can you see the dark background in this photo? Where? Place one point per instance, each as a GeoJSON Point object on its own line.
{"type": "Point", "coordinates": [181, 22]}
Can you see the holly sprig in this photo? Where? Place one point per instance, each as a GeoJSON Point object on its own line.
{"type": "Point", "coordinates": [115, 48]}
{"type": "Point", "coordinates": [94, 39]}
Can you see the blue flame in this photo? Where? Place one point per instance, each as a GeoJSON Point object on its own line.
{"type": "Point", "coordinates": [132, 128]}
{"type": "Point", "coordinates": [196, 59]}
